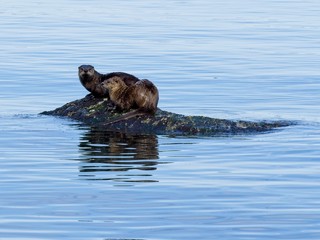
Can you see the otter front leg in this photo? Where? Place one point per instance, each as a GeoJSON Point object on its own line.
{"type": "Point", "coordinates": [124, 104]}
{"type": "Point", "coordinates": [111, 107]}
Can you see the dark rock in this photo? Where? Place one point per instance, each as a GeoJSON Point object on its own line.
{"type": "Point", "coordinates": [98, 112]}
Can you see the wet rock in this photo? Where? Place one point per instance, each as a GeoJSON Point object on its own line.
{"type": "Point", "coordinates": [98, 112]}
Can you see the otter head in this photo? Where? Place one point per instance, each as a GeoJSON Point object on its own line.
{"type": "Point", "coordinates": [114, 83]}
{"type": "Point", "coordinates": [86, 71]}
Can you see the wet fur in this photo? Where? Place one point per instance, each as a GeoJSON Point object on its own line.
{"type": "Point", "coordinates": [91, 80]}
{"type": "Point", "coordinates": [142, 96]}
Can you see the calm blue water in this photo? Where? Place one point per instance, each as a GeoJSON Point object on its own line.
{"type": "Point", "coordinates": [249, 60]}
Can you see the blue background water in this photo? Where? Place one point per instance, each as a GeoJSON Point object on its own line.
{"type": "Point", "coordinates": [250, 60]}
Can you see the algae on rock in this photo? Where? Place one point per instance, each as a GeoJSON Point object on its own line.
{"type": "Point", "coordinates": [98, 112]}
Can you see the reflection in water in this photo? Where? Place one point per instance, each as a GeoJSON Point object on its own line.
{"type": "Point", "coordinates": [117, 154]}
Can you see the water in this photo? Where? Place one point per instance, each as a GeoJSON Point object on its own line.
{"type": "Point", "coordinates": [249, 60]}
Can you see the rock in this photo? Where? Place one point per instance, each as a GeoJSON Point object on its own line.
{"type": "Point", "coordinates": [97, 112]}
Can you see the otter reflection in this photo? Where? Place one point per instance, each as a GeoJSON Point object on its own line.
{"type": "Point", "coordinates": [110, 156]}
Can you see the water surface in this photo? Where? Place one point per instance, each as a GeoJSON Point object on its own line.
{"type": "Point", "coordinates": [249, 60]}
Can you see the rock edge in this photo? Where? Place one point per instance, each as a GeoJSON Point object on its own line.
{"type": "Point", "coordinates": [97, 112]}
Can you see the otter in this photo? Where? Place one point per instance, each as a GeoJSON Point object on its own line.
{"type": "Point", "coordinates": [143, 96]}
{"type": "Point", "coordinates": [92, 79]}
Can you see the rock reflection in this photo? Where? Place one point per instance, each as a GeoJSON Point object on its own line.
{"type": "Point", "coordinates": [111, 156]}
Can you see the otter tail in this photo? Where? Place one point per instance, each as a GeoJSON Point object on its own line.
{"type": "Point", "coordinates": [126, 116]}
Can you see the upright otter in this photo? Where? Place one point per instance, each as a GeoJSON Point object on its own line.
{"type": "Point", "coordinates": [91, 80]}
{"type": "Point", "coordinates": [143, 96]}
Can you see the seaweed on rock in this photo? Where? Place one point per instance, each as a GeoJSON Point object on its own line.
{"type": "Point", "coordinates": [98, 112]}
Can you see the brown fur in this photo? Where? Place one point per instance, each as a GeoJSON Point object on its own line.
{"type": "Point", "coordinates": [142, 96]}
{"type": "Point", "coordinates": [126, 77]}
{"type": "Point", "coordinates": [91, 80]}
